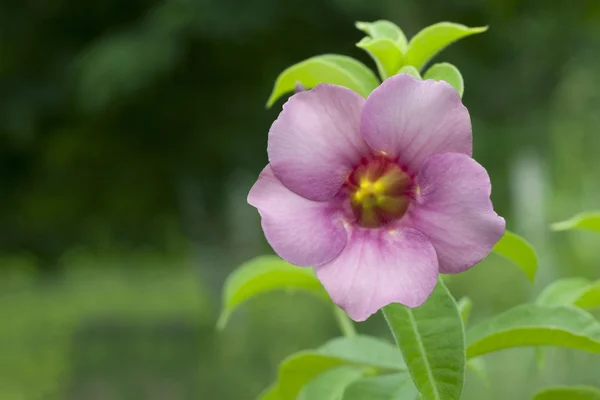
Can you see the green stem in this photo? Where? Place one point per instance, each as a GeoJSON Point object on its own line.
{"type": "Point", "coordinates": [345, 323]}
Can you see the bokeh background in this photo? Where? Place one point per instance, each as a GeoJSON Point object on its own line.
{"type": "Point", "coordinates": [131, 131]}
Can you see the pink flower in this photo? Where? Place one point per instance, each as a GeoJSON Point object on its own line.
{"type": "Point", "coordinates": [378, 194]}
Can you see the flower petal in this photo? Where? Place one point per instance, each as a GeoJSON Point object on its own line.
{"type": "Point", "coordinates": [453, 209]}
{"type": "Point", "coordinates": [378, 267]}
{"type": "Point", "coordinates": [315, 141]}
{"type": "Point", "coordinates": [413, 119]}
{"type": "Point", "coordinates": [301, 231]}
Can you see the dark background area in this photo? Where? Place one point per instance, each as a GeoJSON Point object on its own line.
{"type": "Point", "coordinates": [131, 132]}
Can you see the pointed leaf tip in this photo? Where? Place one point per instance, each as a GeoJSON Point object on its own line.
{"type": "Point", "coordinates": [519, 251]}
{"type": "Point", "coordinates": [384, 29]}
{"type": "Point", "coordinates": [434, 38]}
{"type": "Point", "coordinates": [586, 221]}
{"type": "Point", "coordinates": [262, 275]}
{"type": "Point", "coordinates": [327, 68]}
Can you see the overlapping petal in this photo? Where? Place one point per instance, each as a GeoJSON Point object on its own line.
{"type": "Point", "coordinates": [316, 141]}
{"type": "Point", "coordinates": [302, 232]}
{"type": "Point", "coordinates": [413, 119]}
{"type": "Point", "coordinates": [379, 267]}
{"type": "Point", "coordinates": [453, 209]}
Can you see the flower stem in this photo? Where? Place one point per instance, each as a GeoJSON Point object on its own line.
{"type": "Point", "coordinates": [345, 324]}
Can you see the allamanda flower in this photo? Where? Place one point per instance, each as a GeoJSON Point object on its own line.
{"type": "Point", "coordinates": [378, 194]}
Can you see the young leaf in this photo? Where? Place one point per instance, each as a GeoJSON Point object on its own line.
{"type": "Point", "coordinates": [330, 385]}
{"type": "Point", "coordinates": [433, 39]}
{"type": "Point", "coordinates": [384, 387]}
{"type": "Point", "coordinates": [563, 292]}
{"type": "Point", "coordinates": [270, 393]}
{"type": "Point", "coordinates": [432, 341]}
{"type": "Point", "coordinates": [519, 251]}
{"type": "Point", "coordinates": [409, 69]}
{"type": "Point", "coordinates": [264, 274]}
{"type": "Point", "coordinates": [568, 393]}
{"type": "Point", "coordinates": [384, 29]}
{"type": "Point", "coordinates": [385, 53]}
{"type": "Point", "coordinates": [327, 68]}
{"type": "Point", "coordinates": [448, 73]}
{"type": "Point", "coordinates": [535, 325]}
{"type": "Point", "coordinates": [464, 307]}
{"type": "Point", "coordinates": [588, 221]}
{"type": "Point", "coordinates": [360, 351]}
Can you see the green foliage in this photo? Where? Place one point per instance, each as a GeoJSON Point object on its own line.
{"type": "Point", "coordinates": [568, 393]}
{"type": "Point", "coordinates": [385, 53]}
{"type": "Point", "coordinates": [586, 221]}
{"type": "Point", "coordinates": [519, 251]}
{"type": "Point", "coordinates": [535, 325]}
{"type": "Point", "coordinates": [271, 393]}
{"type": "Point", "coordinates": [327, 68]}
{"type": "Point", "coordinates": [384, 387]}
{"type": "Point", "coordinates": [448, 73]}
{"type": "Point", "coordinates": [432, 341]}
{"type": "Point", "coordinates": [433, 39]}
{"type": "Point", "coordinates": [370, 354]}
{"type": "Point", "coordinates": [331, 384]}
{"type": "Point", "coordinates": [385, 43]}
{"type": "Point", "coordinates": [576, 291]}
{"type": "Point", "coordinates": [409, 69]}
{"type": "Point", "coordinates": [264, 274]}
{"type": "Point", "coordinates": [385, 29]}
{"type": "Point", "coordinates": [590, 298]}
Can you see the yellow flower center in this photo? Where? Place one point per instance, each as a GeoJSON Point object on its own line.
{"type": "Point", "coordinates": [380, 192]}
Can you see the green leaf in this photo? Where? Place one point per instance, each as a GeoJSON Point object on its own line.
{"type": "Point", "coordinates": [433, 39]}
{"type": "Point", "coordinates": [568, 393]}
{"type": "Point", "coordinates": [365, 350]}
{"type": "Point", "coordinates": [385, 53]}
{"type": "Point", "coordinates": [409, 69]}
{"type": "Point", "coordinates": [270, 393]}
{"type": "Point", "coordinates": [577, 291]}
{"type": "Point", "coordinates": [563, 292]}
{"type": "Point", "coordinates": [587, 221]}
{"type": "Point", "coordinates": [431, 338]}
{"type": "Point", "coordinates": [464, 307]}
{"type": "Point", "coordinates": [448, 73]}
{"type": "Point", "coordinates": [327, 68]}
{"type": "Point", "coordinates": [535, 325]}
{"type": "Point", "coordinates": [385, 29]}
{"type": "Point", "coordinates": [330, 385]}
{"type": "Point", "coordinates": [590, 298]}
{"type": "Point", "coordinates": [265, 274]}
{"type": "Point", "coordinates": [384, 387]}
{"type": "Point", "coordinates": [519, 251]}
{"type": "Point", "coordinates": [360, 351]}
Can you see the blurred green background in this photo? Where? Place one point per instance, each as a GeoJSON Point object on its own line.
{"type": "Point", "coordinates": [131, 131]}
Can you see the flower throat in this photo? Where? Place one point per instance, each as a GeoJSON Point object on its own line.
{"type": "Point", "coordinates": [380, 191]}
